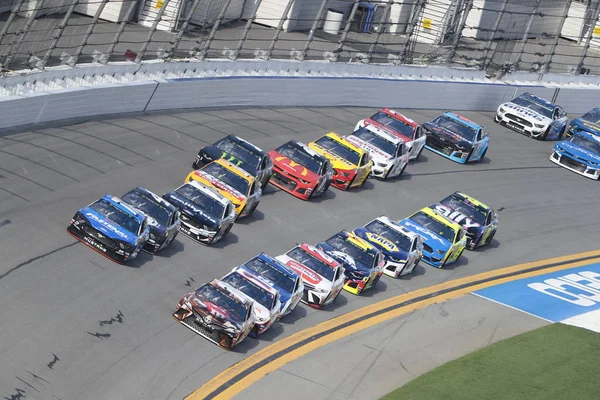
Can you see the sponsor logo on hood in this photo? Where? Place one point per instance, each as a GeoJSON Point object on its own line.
{"type": "Point", "coordinates": [526, 113]}
{"type": "Point", "coordinates": [374, 151]}
{"type": "Point", "coordinates": [307, 274]}
{"type": "Point", "coordinates": [221, 185]}
{"type": "Point", "coordinates": [332, 156]}
{"type": "Point", "coordinates": [455, 216]}
{"type": "Point", "coordinates": [107, 225]}
{"type": "Point", "coordinates": [426, 232]}
{"type": "Point", "coordinates": [383, 242]}
{"type": "Point", "coordinates": [580, 152]}
{"type": "Point", "coordinates": [345, 258]}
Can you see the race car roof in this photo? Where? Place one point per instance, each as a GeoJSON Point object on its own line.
{"type": "Point", "coordinates": [209, 191]}
{"type": "Point", "coordinates": [246, 144]}
{"type": "Point", "coordinates": [463, 120]}
{"type": "Point", "coordinates": [234, 168]}
{"type": "Point", "coordinates": [400, 117]}
{"type": "Point", "coordinates": [140, 189]}
{"type": "Point", "coordinates": [537, 99]}
{"type": "Point", "coordinates": [380, 132]}
{"type": "Point", "coordinates": [117, 202]}
{"type": "Point", "coordinates": [395, 225]}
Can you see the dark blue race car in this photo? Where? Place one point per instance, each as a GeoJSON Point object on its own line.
{"type": "Point", "coordinates": [457, 138]}
{"type": "Point", "coordinates": [580, 154]}
{"type": "Point", "coordinates": [112, 228]}
{"type": "Point", "coordinates": [588, 122]}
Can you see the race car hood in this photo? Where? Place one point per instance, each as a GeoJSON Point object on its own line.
{"type": "Point", "coordinates": [349, 263]}
{"type": "Point", "coordinates": [216, 315]}
{"type": "Point", "coordinates": [188, 207]}
{"type": "Point", "coordinates": [375, 152]}
{"type": "Point", "coordinates": [293, 168]}
{"type": "Point", "coordinates": [583, 125]}
{"type": "Point", "coordinates": [107, 227]}
{"type": "Point", "coordinates": [456, 216]}
{"type": "Point", "coordinates": [337, 162]}
{"type": "Point", "coordinates": [448, 136]}
{"type": "Point", "coordinates": [578, 151]}
{"type": "Point", "coordinates": [386, 246]}
{"type": "Point", "coordinates": [526, 113]}
{"type": "Point", "coordinates": [214, 153]}
{"type": "Point", "coordinates": [432, 239]}
{"type": "Point", "coordinates": [369, 121]}
{"type": "Point", "coordinates": [308, 275]}
{"type": "Point", "coordinates": [229, 192]}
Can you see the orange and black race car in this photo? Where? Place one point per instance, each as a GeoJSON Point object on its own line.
{"type": "Point", "coordinates": [300, 171]}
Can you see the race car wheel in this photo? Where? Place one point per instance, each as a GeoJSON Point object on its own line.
{"type": "Point", "coordinates": [469, 156]}
{"type": "Point", "coordinates": [253, 208]}
{"type": "Point", "coordinates": [562, 132]}
{"type": "Point", "coordinates": [419, 154]}
{"type": "Point", "coordinates": [483, 155]}
{"type": "Point", "coordinates": [266, 182]}
{"type": "Point", "coordinates": [543, 137]}
{"type": "Point", "coordinates": [401, 171]}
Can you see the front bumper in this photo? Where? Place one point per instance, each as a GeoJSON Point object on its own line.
{"type": "Point", "coordinates": [396, 269]}
{"type": "Point", "coordinates": [345, 182]}
{"type": "Point", "coordinates": [200, 235]}
{"type": "Point", "coordinates": [378, 171]}
{"type": "Point", "coordinates": [524, 127]}
{"type": "Point", "coordinates": [318, 300]}
{"type": "Point", "coordinates": [575, 166]}
{"type": "Point", "coordinates": [217, 336]}
{"type": "Point", "coordinates": [357, 286]}
{"type": "Point", "coordinates": [292, 185]}
{"type": "Point", "coordinates": [90, 240]}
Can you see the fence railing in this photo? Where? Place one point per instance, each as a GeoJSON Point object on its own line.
{"type": "Point", "coordinates": [499, 36]}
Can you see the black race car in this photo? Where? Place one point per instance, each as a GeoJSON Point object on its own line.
{"type": "Point", "coordinates": [240, 152]}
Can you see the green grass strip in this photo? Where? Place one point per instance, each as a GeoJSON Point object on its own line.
{"type": "Point", "coordinates": [553, 362]}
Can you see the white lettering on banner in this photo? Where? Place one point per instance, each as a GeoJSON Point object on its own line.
{"type": "Point", "coordinates": [592, 277]}
{"type": "Point", "coordinates": [582, 289]}
{"type": "Point", "coordinates": [562, 294]}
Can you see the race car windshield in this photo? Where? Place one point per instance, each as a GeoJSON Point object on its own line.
{"type": "Point", "coordinates": [434, 225]}
{"type": "Point", "coordinates": [375, 140]}
{"type": "Point", "coordinates": [231, 308]}
{"type": "Point", "coordinates": [282, 279]}
{"type": "Point", "coordinates": [229, 177]}
{"type": "Point", "coordinates": [116, 215]}
{"type": "Point", "coordinates": [537, 107]}
{"type": "Point", "coordinates": [339, 149]}
{"type": "Point", "coordinates": [239, 152]}
{"type": "Point", "coordinates": [312, 262]}
{"type": "Point", "coordinates": [455, 126]}
{"type": "Point", "coordinates": [588, 144]}
{"type": "Point", "coordinates": [592, 116]}
{"type": "Point", "coordinates": [399, 239]}
{"type": "Point", "coordinates": [306, 160]}
{"type": "Point", "coordinates": [367, 258]}
{"type": "Point", "coordinates": [250, 289]}
{"type": "Point", "coordinates": [149, 206]}
{"type": "Point", "coordinates": [397, 125]}
{"type": "Point", "coordinates": [207, 203]}
{"type": "Point", "coordinates": [472, 212]}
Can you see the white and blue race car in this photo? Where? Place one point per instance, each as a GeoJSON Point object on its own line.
{"type": "Point", "coordinates": [580, 154]}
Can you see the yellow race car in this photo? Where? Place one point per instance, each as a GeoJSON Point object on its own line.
{"type": "Point", "coordinates": [351, 164]}
{"type": "Point", "coordinates": [241, 188]}
{"type": "Point", "coordinates": [443, 240]}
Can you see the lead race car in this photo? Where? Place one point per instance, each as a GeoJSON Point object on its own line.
{"type": "Point", "coordinates": [402, 248]}
{"type": "Point", "coordinates": [443, 240]}
{"type": "Point", "coordinates": [479, 220]}
{"type": "Point", "coordinates": [300, 171]}
{"type": "Point", "coordinates": [588, 122]}
{"type": "Point", "coordinates": [323, 277]}
{"type": "Point", "coordinates": [163, 217]}
{"type": "Point", "coordinates": [267, 304]}
{"type": "Point", "coordinates": [533, 116]}
{"type": "Point", "coordinates": [580, 154]}
{"type": "Point", "coordinates": [352, 165]}
{"type": "Point", "coordinates": [388, 152]}
{"type": "Point", "coordinates": [457, 138]}
{"type": "Point", "coordinates": [400, 126]}
{"type": "Point", "coordinates": [240, 152]}
{"type": "Point", "coordinates": [218, 312]}
{"type": "Point", "coordinates": [206, 215]}
{"type": "Point", "coordinates": [112, 228]}
{"type": "Point", "coordinates": [363, 263]}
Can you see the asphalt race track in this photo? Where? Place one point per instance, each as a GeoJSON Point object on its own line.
{"type": "Point", "coordinates": [78, 326]}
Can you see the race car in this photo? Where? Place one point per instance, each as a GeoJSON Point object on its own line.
{"type": "Point", "coordinates": [206, 215]}
{"type": "Point", "coordinates": [402, 248]}
{"type": "Point", "coordinates": [388, 152]}
{"type": "Point", "coordinates": [218, 312]}
{"type": "Point", "coordinates": [240, 152]}
{"type": "Point", "coordinates": [588, 122]}
{"type": "Point", "coordinates": [265, 297]}
{"type": "Point", "coordinates": [112, 228]}
{"type": "Point", "coordinates": [456, 138]}
{"type": "Point", "coordinates": [352, 165]}
{"type": "Point", "coordinates": [363, 263]}
{"type": "Point", "coordinates": [241, 188]}
{"type": "Point", "coordinates": [300, 171]}
{"type": "Point", "coordinates": [163, 217]}
{"type": "Point", "coordinates": [478, 220]}
{"type": "Point", "coordinates": [443, 240]}
{"type": "Point", "coordinates": [580, 154]}
{"type": "Point", "coordinates": [287, 281]}
{"type": "Point", "coordinates": [401, 126]}
{"type": "Point", "coordinates": [533, 116]}
{"type": "Point", "coordinates": [323, 277]}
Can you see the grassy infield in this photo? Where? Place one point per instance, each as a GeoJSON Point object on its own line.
{"type": "Point", "coordinates": [554, 362]}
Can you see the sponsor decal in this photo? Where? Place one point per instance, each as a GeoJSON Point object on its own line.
{"type": "Point", "coordinates": [220, 184]}
{"type": "Point", "coordinates": [95, 244]}
{"type": "Point", "coordinates": [292, 164]}
{"type": "Point", "coordinates": [424, 231]}
{"type": "Point", "coordinates": [455, 216]}
{"type": "Point", "coordinates": [367, 146]}
{"type": "Point", "coordinates": [106, 225]}
{"type": "Point", "coordinates": [383, 242]}
{"type": "Point", "coordinates": [526, 112]}
{"type": "Point", "coordinates": [307, 274]}
{"type": "Point", "coordinates": [344, 257]}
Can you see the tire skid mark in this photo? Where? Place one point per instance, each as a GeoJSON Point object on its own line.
{"type": "Point", "coordinates": [26, 178]}
{"type": "Point", "coordinates": [297, 118]}
{"type": "Point", "coordinates": [31, 260]}
{"type": "Point", "coordinates": [14, 194]}
{"type": "Point", "coordinates": [241, 125]}
{"type": "Point", "coordinates": [330, 116]}
{"type": "Point", "coordinates": [144, 134]}
{"type": "Point", "coordinates": [467, 171]}
{"type": "Point", "coordinates": [40, 164]}
{"type": "Point", "coordinates": [171, 129]}
{"type": "Point", "coordinates": [268, 121]}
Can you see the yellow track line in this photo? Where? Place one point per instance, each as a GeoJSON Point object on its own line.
{"type": "Point", "coordinates": [291, 347]}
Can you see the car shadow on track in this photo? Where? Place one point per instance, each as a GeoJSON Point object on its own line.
{"type": "Point", "coordinates": [422, 159]}
{"type": "Point", "coordinates": [494, 244]}
{"type": "Point", "coordinates": [229, 239]}
{"type": "Point", "coordinates": [462, 260]}
{"type": "Point", "coordinates": [299, 312]}
{"type": "Point", "coordinates": [340, 301]}
{"type": "Point", "coordinates": [380, 287]}
{"type": "Point", "coordinates": [329, 195]}
{"type": "Point", "coordinates": [418, 271]}
{"type": "Point", "coordinates": [256, 215]}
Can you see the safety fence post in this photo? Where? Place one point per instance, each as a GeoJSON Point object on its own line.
{"type": "Point", "coordinates": [340, 45]}
{"type": "Point", "coordinates": [142, 52]}
{"type": "Point", "coordinates": [488, 47]}
{"type": "Point", "coordinates": [111, 48]}
{"type": "Point", "coordinates": [213, 31]}
{"type": "Point", "coordinates": [282, 21]}
{"type": "Point", "coordinates": [170, 53]}
{"type": "Point", "coordinates": [458, 33]}
{"type": "Point", "coordinates": [523, 42]}
{"type": "Point", "coordinates": [311, 34]}
{"type": "Point", "coordinates": [552, 52]}
{"type": "Point", "coordinates": [22, 34]}
{"type": "Point", "coordinates": [380, 27]}
{"type": "Point", "coordinates": [595, 12]}
{"type": "Point", "coordinates": [58, 33]}
{"type": "Point", "coordinates": [89, 32]}
{"type": "Point", "coordinates": [406, 54]}
{"type": "Point", "coordinates": [240, 44]}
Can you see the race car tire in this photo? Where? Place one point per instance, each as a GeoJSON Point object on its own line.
{"type": "Point", "coordinates": [323, 191]}
{"type": "Point", "coordinates": [469, 156]}
{"type": "Point", "coordinates": [266, 182]}
{"type": "Point", "coordinates": [490, 238]}
{"type": "Point", "coordinates": [562, 132]}
{"type": "Point", "coordinates": [253, 209]}
{"type": "Point", "coordinates": [483, 155]}
{"type": "Point", "coordinates": [419, 154]}
{"type": "Point", "coordinates": [545, 135]}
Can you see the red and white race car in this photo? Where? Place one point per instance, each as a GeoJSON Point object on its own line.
{"type": "Point", "coordinates": [323, 276]}
{"type": "Point", "coordinates": [400, 126]}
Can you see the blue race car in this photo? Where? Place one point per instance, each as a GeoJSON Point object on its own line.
{"type": "Point", "coordinates": [456, 137]}
{"type": "Point", "coordinates": [287, 281]}
{"type": "Point", "coordinates": [580, 154]}
{"type": "Point", "coordinates": [112, 228]}
{"type": "Point", "coordinates": [588, 122]}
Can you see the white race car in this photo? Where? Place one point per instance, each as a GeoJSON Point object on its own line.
{"type": "Point", "coordinates": [402, 248]}
{"type": "Point", "coordinates": [388, 152]}
{"type": "Point", "coordinates": [323, 276]}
